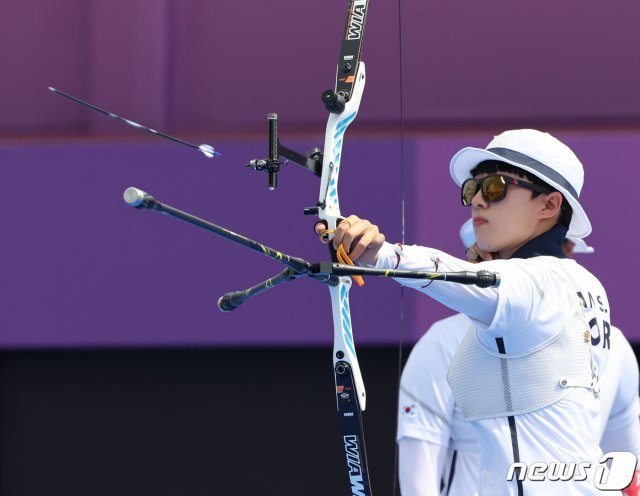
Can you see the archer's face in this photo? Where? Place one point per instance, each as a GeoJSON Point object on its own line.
{"type": "Point", "coordinates": [503, 226]}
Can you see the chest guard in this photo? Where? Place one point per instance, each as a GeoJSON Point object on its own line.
{"type": "Point", "coordinates": [487, 384]}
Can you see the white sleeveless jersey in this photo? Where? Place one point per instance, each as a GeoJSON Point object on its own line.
{"type": "Point", "coordinates": [528, 310]}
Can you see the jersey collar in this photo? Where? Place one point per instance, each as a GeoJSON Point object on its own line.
{"type": "Point", "coordinates": [547, 244]}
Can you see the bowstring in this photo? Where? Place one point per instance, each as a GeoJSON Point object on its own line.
{"type": "Point", "coordinates": [402, 238]}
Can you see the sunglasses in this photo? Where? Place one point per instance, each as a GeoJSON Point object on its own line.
{"type": "Point", "coordinates": [494, 188]}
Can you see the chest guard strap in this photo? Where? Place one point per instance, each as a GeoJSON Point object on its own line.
{"type": "Point", "coordinates": [487, 384]}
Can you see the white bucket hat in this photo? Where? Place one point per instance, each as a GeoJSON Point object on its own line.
{"type": "Point", "coordinates": [468, 237]}
{"type": "Point", "coordinates": [538, 153]}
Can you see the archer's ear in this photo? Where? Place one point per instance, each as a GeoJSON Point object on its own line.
{"type": "Point", "coordinates": [552, 204]}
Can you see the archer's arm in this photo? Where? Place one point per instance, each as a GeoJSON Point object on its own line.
{"type": "Point", "coordinates": [420, 466]}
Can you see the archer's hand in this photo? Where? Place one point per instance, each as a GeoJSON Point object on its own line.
{"type": "Point", "coordinates": [360, 238]}
{"type": "Point", "coordinates": [475, 254]}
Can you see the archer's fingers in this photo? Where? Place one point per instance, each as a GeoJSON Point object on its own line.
{"type": "Point", "coordinates": [353, 234]}
{"type": "Point", "coordinates": [362, 243]}
{"type": "Point", "coordinates": [475, 254]}
{"type": "Point", "coordinates": [367, 247]}
{"type": "Point", "coordinates": [345, 226]}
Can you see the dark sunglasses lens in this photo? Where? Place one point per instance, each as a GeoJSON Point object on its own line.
{"type": "Point", "coordinates": [494, 188]}
{"type": "Point", "coordinates": [469, 189]}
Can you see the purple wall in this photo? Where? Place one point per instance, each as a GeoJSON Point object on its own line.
{"type": "Point", "coordinates": [81, 268]}
{"type": "Point", "coordinates": [201, 65]}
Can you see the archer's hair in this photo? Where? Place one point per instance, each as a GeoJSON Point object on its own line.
{"type": "Point", "coordinates": [496, 166]}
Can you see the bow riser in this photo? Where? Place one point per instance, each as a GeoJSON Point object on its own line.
{"type": "Point", "coordinates": [348, 377]}
{"type": "Point", "coordinates": [329, 206]}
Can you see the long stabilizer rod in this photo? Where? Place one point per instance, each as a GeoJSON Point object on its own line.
{"type": "Point", "coordinates": [139, 199]}
{"type": "Point", "coordinates": [325, 272]}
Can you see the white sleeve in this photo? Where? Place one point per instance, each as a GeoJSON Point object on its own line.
{"type": "Point", "coordinates": [478, 304]}
{"type": "Point", "coordinates": [622, 432]}
{"type": "Point", "coordinates": [426, 403]}
{"type": "Point", "coordinates": [620, 436]}
{"type": "Point", "coordinates": [526, 288]}
{"type": "Point", "coordinates": [420, 464]}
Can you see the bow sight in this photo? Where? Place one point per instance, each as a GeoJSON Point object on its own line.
{"type": "Point", "coordinates": [312, 160]}
{"type": "Point", "coordinates": [335, 102]}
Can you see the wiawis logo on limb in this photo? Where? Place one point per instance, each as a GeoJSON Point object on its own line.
{"type": "Point", "coordinates": [356, 21]}
{"type": "Point", "coordinates": [352, 450]}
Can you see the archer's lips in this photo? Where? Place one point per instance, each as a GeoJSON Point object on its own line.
{"type": "Point", "coordinates": [478, 221]}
